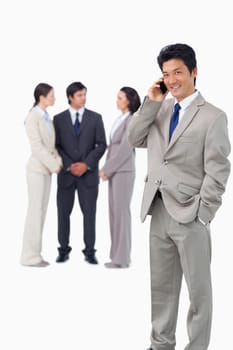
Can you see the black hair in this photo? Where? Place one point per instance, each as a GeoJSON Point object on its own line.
{"type": "Point", "coordinates": [179, 51]}
{"type": "Point", "coordinates": [133, 98]}
{"type": "Point", "coordinates": [73, 88]}
{"type": "Point", "coordinates": [41, 89]}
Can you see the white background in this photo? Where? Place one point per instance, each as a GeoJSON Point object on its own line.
{"type": "Point", "coordinates": [105, 45]}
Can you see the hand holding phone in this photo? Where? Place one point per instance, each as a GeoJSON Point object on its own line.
{"type": "Point", "coordinates": [158, 91]}
{"type": "Point", "coordinates": [163, 88]}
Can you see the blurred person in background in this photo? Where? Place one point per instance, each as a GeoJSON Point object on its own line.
{"type": "Point", "coordinates": [44, 161]}
{"type": "Point", "coordinates": [119, 170]}
{"type": "Point", "coordinates": [81, 142]}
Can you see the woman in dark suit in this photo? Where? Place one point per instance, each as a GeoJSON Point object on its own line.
{"type": "Point", "coordinates": [119, 170]}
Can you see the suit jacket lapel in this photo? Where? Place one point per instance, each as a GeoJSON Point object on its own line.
{"type": "Point", "coordinates": [68, 121]}
{"type": "Point", "coordinates": [47, 134]}
{"type": "Point", "coordinates": [70, 125]}
{"type": "Point", "coordinates": [119, 130]}
{"type": "Point", "coordinates": [185, 121]}
{"type": "Point", "coordinates": [85, 120]}
{"type": "Point", "coordinates": [166, 124]}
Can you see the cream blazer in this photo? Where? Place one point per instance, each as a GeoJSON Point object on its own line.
{"type": "Point", "coordinates": [44, 157]}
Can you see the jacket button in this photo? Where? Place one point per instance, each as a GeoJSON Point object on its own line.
{"type": "Point", "coordinates": [165, 162]}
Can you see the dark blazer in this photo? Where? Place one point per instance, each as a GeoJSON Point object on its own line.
{"type": "Point", "coordinates": [88, 147]}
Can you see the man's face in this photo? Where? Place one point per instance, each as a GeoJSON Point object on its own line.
{"type": "Point", "coordinates": [78, 100]}
{"type": "Point", "coordinates": [178, 79]}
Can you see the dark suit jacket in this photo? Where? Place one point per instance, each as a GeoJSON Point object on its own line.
{"type": "Point", "coordinates": [88, 147]}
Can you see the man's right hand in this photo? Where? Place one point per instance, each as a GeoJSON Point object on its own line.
{"type": "Point", "coordinates": [154, 92]}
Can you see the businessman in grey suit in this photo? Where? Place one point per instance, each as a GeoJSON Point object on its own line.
{"type": "Point", "coordinates": [81, 142]}
{"type": "Point", "coordinates": [188, 145]}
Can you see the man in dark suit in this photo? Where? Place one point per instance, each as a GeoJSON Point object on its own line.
{"type": "Point", "coordinates": [81, 142]}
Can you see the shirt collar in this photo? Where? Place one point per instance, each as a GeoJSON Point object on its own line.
{"type": "Point", "coordinates": [186, 102]}
{"type": "Point", "coordinates": [40, 111]}
{"type": "Point", "coordinates": [124, 116]}
{"type": "Point", "coordinates": [74, 111]}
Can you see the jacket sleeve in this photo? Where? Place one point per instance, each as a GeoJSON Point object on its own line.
{"type": "Point", "coordinates": [124, 151]}
{"type": "Point", "coordinates": [67, 161]}
{"type": "Point", "coordinates": [141, 121]}
{"type": "Point", "coordinates": [39, 150]}
{"type": "Point", "coordinates": [95, 154]}
{"type": "Point", "coordinates": [216, 167]}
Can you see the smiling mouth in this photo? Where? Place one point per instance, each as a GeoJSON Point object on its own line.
{"type": "Point", "coordinates": [174, 88]}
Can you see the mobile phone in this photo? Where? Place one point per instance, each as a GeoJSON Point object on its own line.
{"type": "Point", "coordinates": [163, 88]}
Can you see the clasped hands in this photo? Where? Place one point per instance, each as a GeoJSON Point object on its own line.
{"type": "Point", "coordinates": [78, 169]}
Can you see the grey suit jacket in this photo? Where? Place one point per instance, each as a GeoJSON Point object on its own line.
{"type": "Point", "coordinates": [192, 170]}
{"type": "Point", "coordinates": [44, 158]}
{"type": "Point", "coordinates": [121, 155]}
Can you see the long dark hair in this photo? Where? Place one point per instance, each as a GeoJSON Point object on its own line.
{"type": "Point", "coordinates": [133, 98]}
{"type": "Point", "coordinates": [41, 89]}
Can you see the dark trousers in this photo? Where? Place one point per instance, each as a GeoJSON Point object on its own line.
{"type": "Point", "coordinates": [87, 197]}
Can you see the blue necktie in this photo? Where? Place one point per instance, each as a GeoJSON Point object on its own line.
{"type": "Point", "coordinates": [77, 124]}
{"type": "Point", "coordinates": [174, 120]}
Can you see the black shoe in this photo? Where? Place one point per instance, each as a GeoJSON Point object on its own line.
{"type": "Point", "coordinates": [91, 259]}
{"type": "Point", "coordinates": [63, 254]}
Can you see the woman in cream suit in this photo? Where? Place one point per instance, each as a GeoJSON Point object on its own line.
{"type": "Point", "coordinates": [44, 161]}
{"type": "Point", "coordinates": [119, 170]}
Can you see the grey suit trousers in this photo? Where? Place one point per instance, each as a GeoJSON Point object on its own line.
{"type": "Point", "coordinates": [177, 249]}
{"type": "Point", "coordinates": [120, 194]}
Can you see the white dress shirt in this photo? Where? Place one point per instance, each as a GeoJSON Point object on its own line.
{"type": "Point", "coordinates": [73, 114]}
{"type": "Point", "coordinates": [185, 103]}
